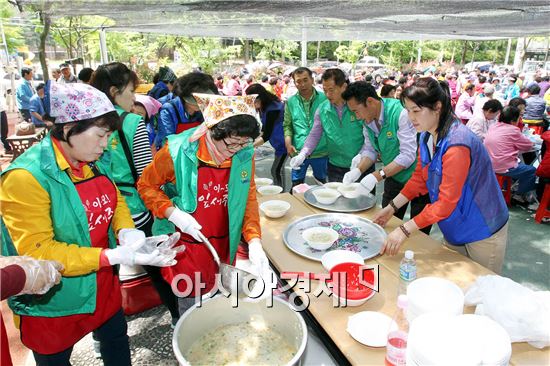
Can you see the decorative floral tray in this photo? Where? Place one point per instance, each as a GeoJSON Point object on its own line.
{"type": "Point", "coordinates": [357, 234]}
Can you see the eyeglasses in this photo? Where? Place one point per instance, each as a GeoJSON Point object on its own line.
{"type": "Point", "coordinates": [236, 146]}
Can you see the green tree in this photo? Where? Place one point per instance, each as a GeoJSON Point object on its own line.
{"type": "Point", "coordinates": [14, 36]}
{"type": "Point", "coordinates": [351, 52]}
{"type": "Point", "coordinates": [276, 50]}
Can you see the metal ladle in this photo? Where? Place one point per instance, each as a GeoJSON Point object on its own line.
{"type": "Point", "coordinates": [232, 278]}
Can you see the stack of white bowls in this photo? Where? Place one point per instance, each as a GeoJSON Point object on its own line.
{"type": "Point", "coordinates": [434, 295]}
{"type": "Point", "coordinates": [461, 340]}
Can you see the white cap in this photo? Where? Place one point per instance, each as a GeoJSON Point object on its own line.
{"type": "Point", "coordinates": [402, 301]}
{"type": "Point", "coordinates": [409, 254]}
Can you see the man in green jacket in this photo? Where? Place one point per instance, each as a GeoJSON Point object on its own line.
{"type": "Point", "coordinates": [389, 134]}
{"type": "Point", "coordinates": [338, 124]}
{"type": "Point", "coordinates": [297, 124]}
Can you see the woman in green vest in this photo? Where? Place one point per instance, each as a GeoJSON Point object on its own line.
{"type": "Point", "coordinates": [58, 202]}
{"type": "Point", "coordinates": [131, 153]}
{"type": "Point", "coordinates": [212, 167]}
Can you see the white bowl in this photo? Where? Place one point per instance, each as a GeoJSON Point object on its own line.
{"type": "Point", "coordinates": [334, 257]}
{"type": "Point", "coordinates": [275, 208]}
{"type": "Point", "coordinates": [332, 185]}
{"type": "Point", "coordinates": [261, 182]}
{"type": "Point", "coordinates": [349, 190]}
{"type": "Point", "coordinates": [326, 196]}
{"type": "Point", "coordinates": [320, 238]}
{"type": "Point", "coordinates": [270, 190]}
{"type": "Point", "coordinates": [434, 295]}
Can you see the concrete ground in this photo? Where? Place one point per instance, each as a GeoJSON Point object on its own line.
{"type": "Point", "coordinates": [527, 262]}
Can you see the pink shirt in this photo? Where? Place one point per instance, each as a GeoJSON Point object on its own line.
{"type": "Point", "coordinates": [464, 106]}
{"type": "Point", "coordinates": [503, 143]}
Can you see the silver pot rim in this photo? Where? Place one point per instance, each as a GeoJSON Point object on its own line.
{"type": "Point", "coordinates": [294, 361]}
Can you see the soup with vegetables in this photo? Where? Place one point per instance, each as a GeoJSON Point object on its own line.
{"type": "Point", "coordinates": [275, 207]}
{"type": "Point", "coordinates": [326, 194]}
{"type": "Point", "coordinates": [347, 188]}
{"type": "Point", "coordinates": [249, 343]}
{"type": "Point", "coordinates": [320, 237]}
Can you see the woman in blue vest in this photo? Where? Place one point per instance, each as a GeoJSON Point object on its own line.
{"type": "Point", "coordinates": [272, 112]}
{"type": "Point", "coordinates": [455, 170]}
{"type": "Point", "coordinates": [58, 202]}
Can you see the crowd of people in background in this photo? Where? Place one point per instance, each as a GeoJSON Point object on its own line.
{"type": "Point", "coordinates": [437, 139]}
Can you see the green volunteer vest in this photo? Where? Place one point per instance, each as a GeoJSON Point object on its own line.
{"type": "Point", "coordinates": [184, 157]}
{"type": "Point", "coordinates": [74, 295]}
{"type": "Point", "coordinates": [122, 174]}
{"type": "Point", "coordinates": [344, 138]}
{"type": "Point", "coordinates": [387, 143]}
{"type": "Point", "coordinates": [302, 126]}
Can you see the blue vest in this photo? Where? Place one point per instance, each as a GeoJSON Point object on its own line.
{"type": "Point", "coordinates": [277, 138]}
{"type": "Point", "coordinates": [159, 90]}
{"type": "Point", "coordinates": [481, 210]}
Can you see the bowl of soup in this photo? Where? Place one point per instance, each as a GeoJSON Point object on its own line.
{"type": "Point", "coordinates": [320, 238]}
{"type": "Point", "coordinates": [275, 208]}
{"type": "Point", "coordinates": [262, 182]}
{"type": "Point", "coordinates": [333, 185]}
{"type": "Point", "coordinates": [326, 196]}
{"type": "Point", "coordinates": [270, 190]}
{"type": "Point", "coordinates": [349, 190]}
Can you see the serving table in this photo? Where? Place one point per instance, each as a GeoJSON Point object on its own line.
{"type": "Point", "coordinates": [433, 259]}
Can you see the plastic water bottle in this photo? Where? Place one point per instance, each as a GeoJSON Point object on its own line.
{"type": "Point", "coordinates": [396, 348]}
{"type": "Point", "coordinates": [407, 271]}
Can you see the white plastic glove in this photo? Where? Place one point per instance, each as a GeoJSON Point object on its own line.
{"type": "Point", "coordinates": [42, 275]}
{"type": "Point", "coordinates": [130, 236]}
{"type": "Point", "coordinates": [186, 223]}
{"type": "Point", "coordinates": [355, 161]}
{"type": "Point", "coordinates": [260, 262]}
{"type": "Point", "coordinates": [297, 161]}
{"type": "Point", "coordinates": [257, 255]}
{"type": "Point", "coordinates": [164, 244]}
{"type": "Point", "coordinates": [367, 184]}
{"type": "Point", "coordinates": [351, 176]}
{"type": "Point", "coordinates": [134, 253]}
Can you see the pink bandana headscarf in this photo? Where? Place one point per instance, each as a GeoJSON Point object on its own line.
{"type": "Point", "coordinates": [76, 102]}
{"type": "Point", "coordinates": [151, 105]}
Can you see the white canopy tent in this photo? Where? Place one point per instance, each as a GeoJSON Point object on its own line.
{"type": "Point", "coordinates": [322, 20]}
{"type": "Point", "coordinates": [315, 20]}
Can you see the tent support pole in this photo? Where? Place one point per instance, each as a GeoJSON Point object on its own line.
{"type": "Point", "coordinates": [507, 58]}
{"type": "Point", "coordinates": [103, 46]}
{"type": "Point", "coordinates": [304, 43]}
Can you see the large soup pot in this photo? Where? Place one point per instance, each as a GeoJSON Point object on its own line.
{"type": "Point", "coordinates": [217, 311]}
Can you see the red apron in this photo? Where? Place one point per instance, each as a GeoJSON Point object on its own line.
{"type": "Point", "coordinates": [212, 214]}
{"type": "Point", "coordinates": [52, 335]}
{"type": "Point", "coordinates": [180, 127]}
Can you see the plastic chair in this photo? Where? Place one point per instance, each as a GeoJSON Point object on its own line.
{"type": "Point", "coordinates": [505, 184]}
{"type": "Point", "coordinates": [543, 210]}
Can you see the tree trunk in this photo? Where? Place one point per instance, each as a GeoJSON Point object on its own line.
{"type": "Point", "coordinates": [547, 47]}
{"type": "Point", "coordinates": [46, 22]}
{"type": "Point", "coordinates": [464, 50]}
{"type": "Point", "coordinates": [453, 55]}
{"type": "Point", "coordinates": [318, 47]}
{"type": "Point", "coordinates": [246, 51]}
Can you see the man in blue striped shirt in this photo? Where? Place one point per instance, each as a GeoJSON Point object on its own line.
{"type": "Point", "coordinates": [24, 93]}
